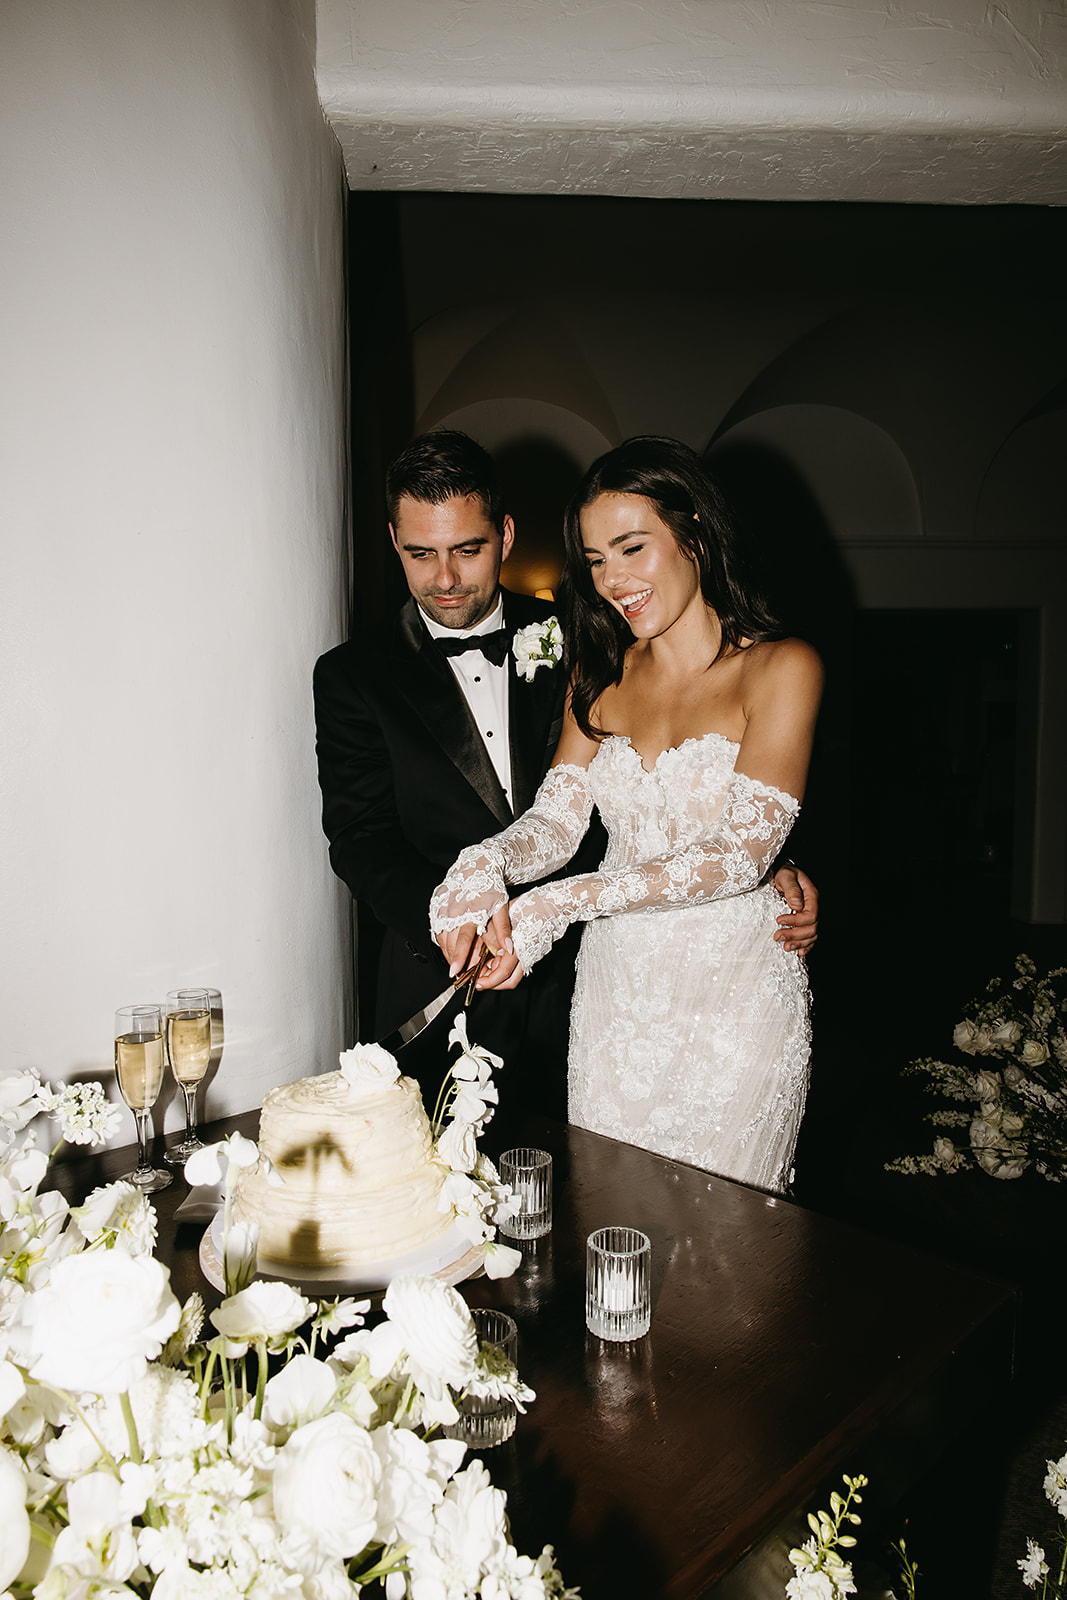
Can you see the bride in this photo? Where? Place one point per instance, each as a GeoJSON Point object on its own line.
{"type": "Point", "coordinates": [689, 727]}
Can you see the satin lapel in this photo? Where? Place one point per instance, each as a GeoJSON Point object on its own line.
{"type": "Point", "coordinates": [530, 711]}
{"type": "Point", "coordinates": [427, 682]}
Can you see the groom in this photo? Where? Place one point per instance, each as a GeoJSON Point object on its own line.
{"type": "Point", "coordinates": [429, 740]}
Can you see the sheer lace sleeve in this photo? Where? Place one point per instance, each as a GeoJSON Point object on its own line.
{"type": "Point", "coordinates": [751, 830]}
{"type": "Point", "coordinates": [539, 842]}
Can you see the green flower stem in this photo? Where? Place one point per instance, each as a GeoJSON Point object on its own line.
{"type": "Point", "coordinates": [131, 1428]}
{"type": "Point", "coordinates": [261, 1375]}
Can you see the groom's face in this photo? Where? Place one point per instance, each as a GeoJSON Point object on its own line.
{"type": "Point", "coordinates": [451, 555]}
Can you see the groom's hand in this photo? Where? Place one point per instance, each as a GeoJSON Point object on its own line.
{"type": "Point", "coordinates": [797, 927]}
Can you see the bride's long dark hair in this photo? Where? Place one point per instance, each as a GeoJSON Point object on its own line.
{"type": "Point", "coordinates": [674, 479]}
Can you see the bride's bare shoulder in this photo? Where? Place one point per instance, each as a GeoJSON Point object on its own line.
{"type": "Point", "coordinates": [778, 662]}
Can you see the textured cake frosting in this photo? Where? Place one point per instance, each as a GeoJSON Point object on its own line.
{"type": "Point", "coordinates": [359, 1185]}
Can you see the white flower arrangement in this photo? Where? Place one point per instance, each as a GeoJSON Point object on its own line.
{"type": "Point", "coordinates": [1018, 1112]}
{"type": "Point", "coordinates": [472, 1188]}
{"type": "Point", "coordinates": [539, 644]}
{"type": "Point", "coordinates": [139, 1459]}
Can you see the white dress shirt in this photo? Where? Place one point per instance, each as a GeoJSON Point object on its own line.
{"type": "Point", "coordinates": [485, 689]}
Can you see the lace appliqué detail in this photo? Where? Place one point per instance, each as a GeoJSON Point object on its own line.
{"type": "Point", "coordinates": [748, 834]}
{"type": "Point", "coordinates": [539, 842]}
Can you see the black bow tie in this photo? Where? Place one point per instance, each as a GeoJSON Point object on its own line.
{"type": "Point", "coordinates": [493, 646]}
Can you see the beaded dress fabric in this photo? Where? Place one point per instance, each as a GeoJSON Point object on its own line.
{"type": "Point", "coordinates": [689, 1028]}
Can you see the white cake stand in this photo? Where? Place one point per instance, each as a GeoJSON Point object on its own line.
{"type": "Point", "coordinates": [451, 1258]}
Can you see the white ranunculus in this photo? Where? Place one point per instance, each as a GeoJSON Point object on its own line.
{"type": "Point", "coordinates": [298, 1393]}
{"type": "Point", "coordinates": [1033, 1053]}
{"type": "Point", "coordinates": [457, 1146]}
{"type": "Point", "coordinates": [265, 1310]}
{"type": "Point", "coordinates": [368, 1068]}
{"type": "Point", "coordinates": [14, 1520]}
{"type": "Point", "coordinates": [100, 1319]}
{"type": "Point", "coordinates": [471, 1529]}
{"type": "Point", "coordinates": [414, 1475]}
{"type": "Point", "coordinates": [432, 1323]}
{"type": "Point", "coordinates": [326, 1489]}
{"type": "Point", "coordinates": [122, 1207]}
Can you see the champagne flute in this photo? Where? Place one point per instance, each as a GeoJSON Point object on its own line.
{"type": "Point", "coordinates": [189, 1051]}
{"type": "Point", "coordinates": [139, 1069]}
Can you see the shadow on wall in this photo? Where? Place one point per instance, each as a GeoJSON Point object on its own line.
{"type": "Point", "coordinates": [537, 477]}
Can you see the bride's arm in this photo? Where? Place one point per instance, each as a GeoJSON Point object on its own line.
{"type": "Point", "coordinates": [539, 842]}
{"type": "Point", "coordinates": [782, 698]}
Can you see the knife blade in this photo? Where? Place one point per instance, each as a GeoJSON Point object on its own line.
{"type": "Point", "coordinates": [422, 1018]}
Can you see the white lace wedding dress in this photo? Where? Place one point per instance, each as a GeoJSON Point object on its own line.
{"type": "Point", "coordinates": [689, 1029]}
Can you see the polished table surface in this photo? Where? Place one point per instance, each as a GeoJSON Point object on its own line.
{"type": "Point", "coordinates": [785, 1349]}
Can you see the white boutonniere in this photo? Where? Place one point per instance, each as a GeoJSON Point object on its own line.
{"type": "Point", "coordinates": [539, 645]}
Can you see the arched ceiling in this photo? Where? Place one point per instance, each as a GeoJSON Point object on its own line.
{"type": "Point", "coordinates": [954, 102]}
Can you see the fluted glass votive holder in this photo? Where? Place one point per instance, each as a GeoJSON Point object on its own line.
{"type": "Point", "coordinates": [486, 1422]}
{"type": "Point", "coordinates": [529, 1173]}
{"type": "Point", "coordinates": [618, 1303]}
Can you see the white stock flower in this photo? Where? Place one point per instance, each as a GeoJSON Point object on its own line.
{"type": "Point", "coordinates": [122, 1208]}
{"type": "Point", "coordinates": [1033, 1565]}
{"type": "Point", "coordinates": [99, 1320]}
{"type": "Point", "coordinates": [14, 1520]}
{"type": "Point", "coordinates": [325, 1489]}
{"type": "Point", "coordinates": [368, 1068]}
{"type": "Point", "coordinates": [299, 1393]}
{"type": "Point", "coordinates": [817, 1586]}
{"type": "Point", "coordinates": [265, 1310]}
{"type": "Point", "coordinates": [1055, 1484]}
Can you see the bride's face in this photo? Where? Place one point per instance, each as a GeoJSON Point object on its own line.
{"type": "Point", "coordinates": [637, 565]}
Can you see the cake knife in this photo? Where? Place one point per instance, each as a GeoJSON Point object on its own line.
{"type": "Point", "coordinates": [414, 1025]}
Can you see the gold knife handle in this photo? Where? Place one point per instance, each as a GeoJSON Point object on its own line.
{"type": "Point", "coordinates": [472, 974]}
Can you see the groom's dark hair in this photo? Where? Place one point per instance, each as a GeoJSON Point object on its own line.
{"type": "Point", "coordinates": [444, 465]}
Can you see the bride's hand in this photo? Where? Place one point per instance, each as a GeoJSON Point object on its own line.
{"type": "Point", "coordinates": [503, 971]}
{"type": "Point", "coordinates": [460, 946]}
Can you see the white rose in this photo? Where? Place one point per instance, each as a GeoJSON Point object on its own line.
{"type": "Point", "coordinates": [987, 1086]}
{"type": "Point", "coordinates": [325, 1489]}
{"type": "Point", "coordinates": [99, 1321]}
{"type": "Point", "coordinates": [964, 1035]}
{"type": "Point", "coordinates": [14, 1521]}
{"type": "Point", "coordinates": [267, 1311]}
{"type": "Point", "coordinates": [369, 1068]}
{"type": "Point", "coordinates": [1004, 1034]}
{"type": "Point", "coordinates": [1033, 1053]}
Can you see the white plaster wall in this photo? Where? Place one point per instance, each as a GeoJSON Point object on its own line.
{"type": "Point", "coordinates": [171, 497]}
{"type": "Point", "coordinates": [776, 99]}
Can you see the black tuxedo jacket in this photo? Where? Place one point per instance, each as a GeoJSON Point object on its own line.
{"type": "Point", "coordinates": [407, 783]}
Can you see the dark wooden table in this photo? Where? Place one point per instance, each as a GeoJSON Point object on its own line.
{"type": "Point", "coordinates": [785, 1348]}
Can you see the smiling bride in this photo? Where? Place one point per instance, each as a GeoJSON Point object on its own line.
{"type": "Point", "coordinates": [689, 727]}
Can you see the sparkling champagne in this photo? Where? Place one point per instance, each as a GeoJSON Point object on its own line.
{"type": "Point", "coordinates": [189, 1044]}
{"type": "Point", "coordinates": [139, 1065]}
